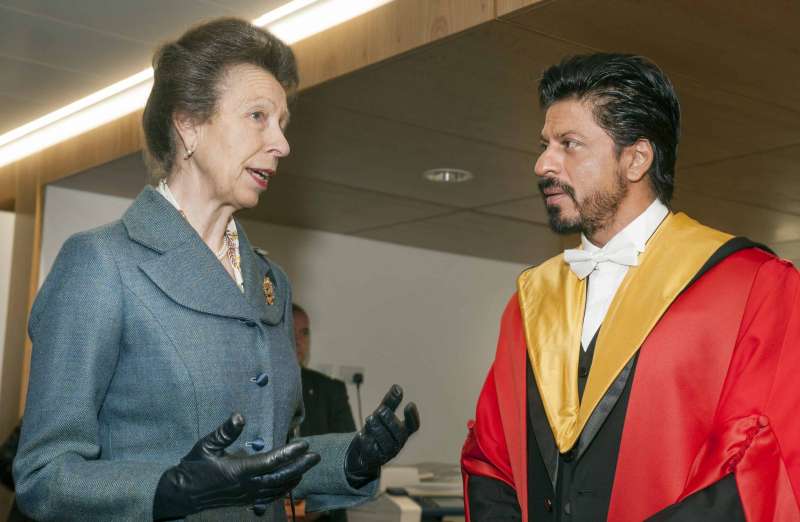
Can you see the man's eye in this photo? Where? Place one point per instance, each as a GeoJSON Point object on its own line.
{"type": "Point", "coordinates": [570, 144]}
{"type": "Point", "coordinates": [257, 115]}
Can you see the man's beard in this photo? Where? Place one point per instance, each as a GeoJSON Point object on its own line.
{"type": "Point", "coordinates": [594, 213]}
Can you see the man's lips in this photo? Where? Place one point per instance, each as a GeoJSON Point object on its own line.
{"type": "Point", "coordinates": [553, 196]}
{"type": "Point", "coordinates": [553, 191]}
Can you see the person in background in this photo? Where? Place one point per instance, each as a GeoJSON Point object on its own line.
{"type": "Point", "coordinates": [8, 450]}
{"type": "Point", "coordinates": [163, 380]}
{"type": "Point", "coordinates": [327, 407]}
{"type": "Point", "coordinates": [652, 373]}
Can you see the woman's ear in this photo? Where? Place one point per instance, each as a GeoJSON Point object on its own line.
{"type": "Point", "coordinates": [187, 131]}
{"type": "Point", "coordinates": [638, 159]}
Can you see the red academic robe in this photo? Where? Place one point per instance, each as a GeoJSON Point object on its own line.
{"type": "Point", "coordinates": [715, 392]}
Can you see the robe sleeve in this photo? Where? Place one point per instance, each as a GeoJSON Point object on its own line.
{"type": "Point", "coordinates": [495, 448]}
{"type": "Point", "coordinates": [485, 456]}
{"type": "Point", "coordinates": [756, 431]}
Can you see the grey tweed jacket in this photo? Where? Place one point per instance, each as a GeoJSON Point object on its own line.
{"type": "Point", "coordinates": [142, 344]}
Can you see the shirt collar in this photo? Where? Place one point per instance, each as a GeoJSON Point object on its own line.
{"type": "Point", "coordinates": [637, 232]}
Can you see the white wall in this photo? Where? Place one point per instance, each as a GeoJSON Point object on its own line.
{"type": "Point", "coordinates": [424, 319]}
{"type": "Point", "coordinates": [6, 245]}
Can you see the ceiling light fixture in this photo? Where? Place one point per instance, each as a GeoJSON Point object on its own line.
{"type": "Point", "coordinates": [291, 23]}
{"type": "Point", "coordinates": [445, 175]}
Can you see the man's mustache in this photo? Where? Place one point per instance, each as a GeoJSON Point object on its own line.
{"type": "Point", "coordinates": [550, 183]}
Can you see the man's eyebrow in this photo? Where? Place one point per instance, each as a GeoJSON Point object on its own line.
{"type": "Point", "coordinates": [566, 132]}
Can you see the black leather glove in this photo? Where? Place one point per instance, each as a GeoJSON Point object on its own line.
{"type": "Point", "coordinates": [381, 439]}
{"type": "Point", "coordinates": [208, 477]}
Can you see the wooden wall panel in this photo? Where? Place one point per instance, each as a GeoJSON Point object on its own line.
{"type": "Point", "coordinates": [7, 192]}
{"type": "Point", "coordinates": [388, 31]}
{"type": "Point", "coordinates": [505, 7]}
{"type": "Point", "coordinates": [24, 267]}
{"type": "Point", "coordinates": [90, 149]}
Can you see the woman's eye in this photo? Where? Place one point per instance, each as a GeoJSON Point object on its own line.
{"type": "Point", "coordinates": [570, 144]}
{"type": "Point", "coordinates": [257, 115]}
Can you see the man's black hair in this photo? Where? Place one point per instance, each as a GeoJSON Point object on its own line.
{"type": "Point", "coordinates": [631, 99]}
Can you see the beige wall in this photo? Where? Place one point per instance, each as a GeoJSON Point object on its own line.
{"type": "Point", "coordinates": [6, 242]}
{"type": "Point", "coordinates": [424, 319]}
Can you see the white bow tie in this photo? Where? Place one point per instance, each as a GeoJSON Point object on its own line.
{"type": "Point", "coordinates": [583, 262]}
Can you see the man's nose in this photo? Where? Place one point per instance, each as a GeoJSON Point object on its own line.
{"type": "Point", "coordinates": [545, 163]}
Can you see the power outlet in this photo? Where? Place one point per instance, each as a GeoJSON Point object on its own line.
{"type": "Point", "coordinates": [351, 374]}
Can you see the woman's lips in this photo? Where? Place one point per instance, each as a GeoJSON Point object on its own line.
{"type": "Point", "coordinates": [260, 176]}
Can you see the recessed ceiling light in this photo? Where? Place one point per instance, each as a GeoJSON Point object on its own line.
{"type": "Point", "coordinates": [446, 175]}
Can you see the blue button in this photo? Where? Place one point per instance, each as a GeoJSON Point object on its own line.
{"type": "Point", "coordinates": [260, 509]}
{"type": "Point", "coordinates": [257, 444]}
{"type": "Point", "coordinates": [261, 379]}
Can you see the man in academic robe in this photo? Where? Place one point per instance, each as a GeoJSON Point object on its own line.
{"type": "Point", "coordinates": [653, 373]}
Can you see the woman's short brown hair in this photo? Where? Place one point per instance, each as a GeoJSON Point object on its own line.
{"type": "Point", "coordinates": [187, 74]}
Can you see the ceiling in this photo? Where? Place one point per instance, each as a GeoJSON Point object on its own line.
{"type": "Point", "coordinates": [53, 52]}
{"type": "Point", "coordinates": [361, 142]}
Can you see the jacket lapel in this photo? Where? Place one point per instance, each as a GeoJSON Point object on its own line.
{"type": "Point", "coordinates": [186, 270]}
{"type": "Point", "coordinates": [255, 271]}
{"type": "Point", "coordinates": [537, 418]}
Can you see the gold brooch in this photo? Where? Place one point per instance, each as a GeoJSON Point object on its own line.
{"type": "Point", "coordinates": [269, 290]}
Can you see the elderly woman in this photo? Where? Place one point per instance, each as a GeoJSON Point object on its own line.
{"type": "Point", "coordinates": [156, 336]}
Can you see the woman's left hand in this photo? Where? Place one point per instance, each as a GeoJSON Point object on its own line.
{"type": "Point", "coordinates": [381, 438]}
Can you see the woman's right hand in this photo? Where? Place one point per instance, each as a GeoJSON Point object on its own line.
{"type": "Point", "coordinates": [208, 477]}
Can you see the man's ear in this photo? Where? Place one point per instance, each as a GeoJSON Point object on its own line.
{"type": "Point", "coordinates": [637, 159]}
{"type": "Point", "coordinates": [186, 128]}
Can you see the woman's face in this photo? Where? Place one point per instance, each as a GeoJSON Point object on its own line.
{"type": "Point", "coordinates": [238, 148]}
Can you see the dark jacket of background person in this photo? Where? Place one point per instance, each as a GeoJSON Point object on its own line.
{"type": "Point", "coordinates": [327, 409]}
{"type": "Point", "coordinates": [7, 453]}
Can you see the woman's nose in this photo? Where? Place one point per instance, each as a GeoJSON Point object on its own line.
{"type": "Point", "coordinates": [278, 144]}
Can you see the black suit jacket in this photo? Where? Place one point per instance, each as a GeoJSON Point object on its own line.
{"type": "Point", "coordinates": [326, 404]}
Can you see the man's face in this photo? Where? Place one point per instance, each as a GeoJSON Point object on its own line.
{"type": "Point", "coordinates": [579, 170]}
{"type": "Point", "coordinates": [302, 338]}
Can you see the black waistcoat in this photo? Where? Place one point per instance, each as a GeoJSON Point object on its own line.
{"type": "Point", "coordinates": [583, 476]}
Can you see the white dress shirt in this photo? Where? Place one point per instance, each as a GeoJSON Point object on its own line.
{"type": "Point", "coordinates": [607, 276]}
